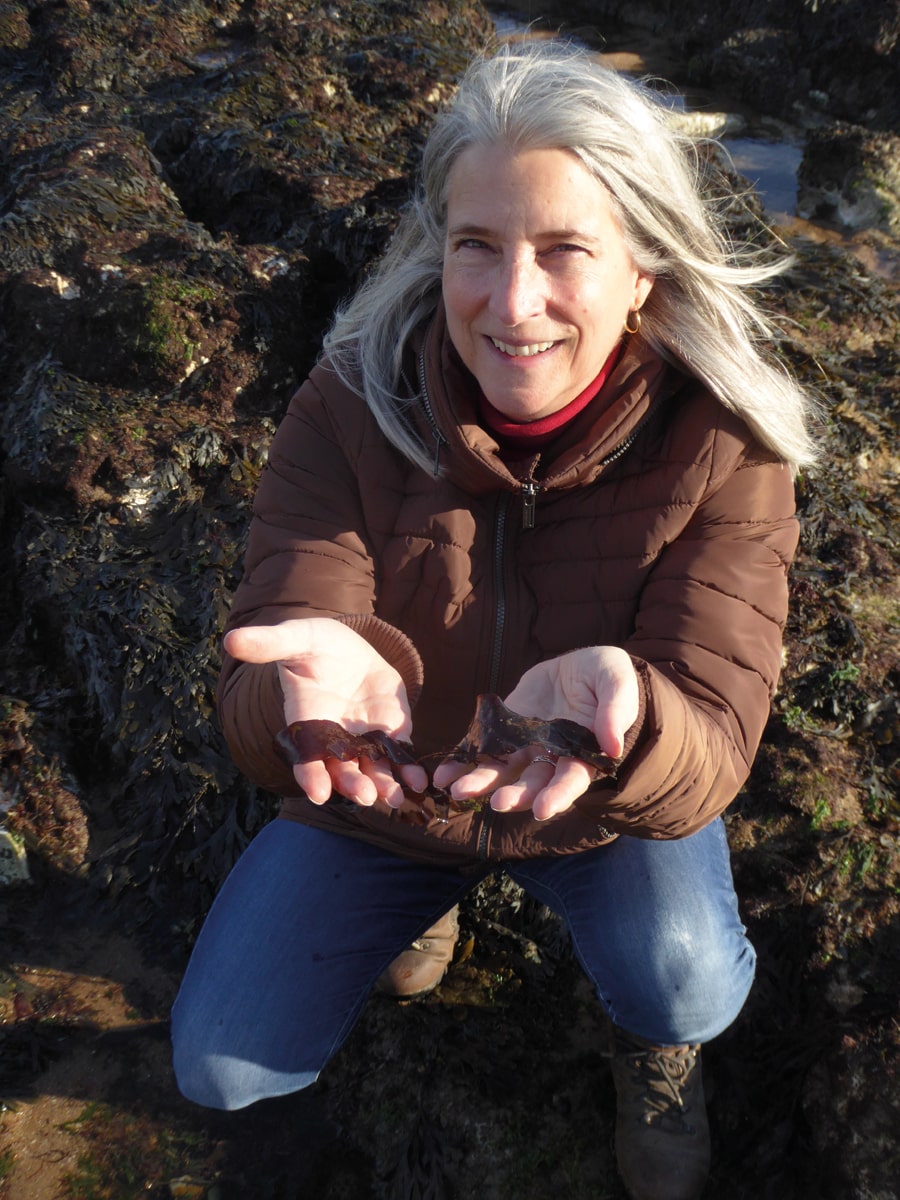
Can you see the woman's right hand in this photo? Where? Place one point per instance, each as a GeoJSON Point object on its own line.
{"type": "Point", "coordinates": [328, 672]}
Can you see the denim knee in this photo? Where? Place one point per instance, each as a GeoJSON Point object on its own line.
{"type": "Point", "coordinates": [656, 927]}
{"type": "Point", "coordinates": [227, 1084]}
{"type": "Point", "coordinates": [685, 990]}
{"type": "Point", "coordinates": [227, 1081]}
{"type": "Point", "coordinates": [198, 1081]}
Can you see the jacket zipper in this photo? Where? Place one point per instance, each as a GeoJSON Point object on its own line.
{"type": "Point", "coordinates": [529, 503]}
{"type": "Point", "coordinates": [530, 488]}
{"type": "Point", "coordinates": [529, 492]}
{"type": "Point", "coordinates": [439, 439]}
{"type": "Point", "coordinates": [629, 441]}
{"type": "Point", "coordinates": [501, 525]}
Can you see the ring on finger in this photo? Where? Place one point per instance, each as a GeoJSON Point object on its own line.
{"type": "Point", "coordinates": [544, 758]}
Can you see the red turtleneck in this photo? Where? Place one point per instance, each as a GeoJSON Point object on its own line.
{"type": "Point", "coordinates": [518, 438]}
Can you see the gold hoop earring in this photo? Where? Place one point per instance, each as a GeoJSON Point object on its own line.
{"type": "Point", "coordinates": [636, 314]}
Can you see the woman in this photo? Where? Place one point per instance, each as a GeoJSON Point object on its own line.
{"type": "Point", "coordinates": [542, 457]}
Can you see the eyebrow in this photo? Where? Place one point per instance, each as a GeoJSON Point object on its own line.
{"type": "Point", "coordinates": [550, 235]}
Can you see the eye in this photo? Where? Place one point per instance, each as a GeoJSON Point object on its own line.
{"type": "Point", "coordinates": [567, 248]}
{"type": "Point", "coordinates": [471, 244]}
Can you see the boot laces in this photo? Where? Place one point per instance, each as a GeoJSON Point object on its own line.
{"type": "Point", "coordinates": [664, 1075]}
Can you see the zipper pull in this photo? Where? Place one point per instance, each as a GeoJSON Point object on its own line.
{"type": "Point", "coordinates": [529, 500]}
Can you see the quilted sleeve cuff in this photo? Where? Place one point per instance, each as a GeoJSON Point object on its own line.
{"type": "Point", "coordinates": [394, 647]}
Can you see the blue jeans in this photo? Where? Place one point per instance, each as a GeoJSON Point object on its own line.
{"type": "Point", "coordinates": [307, 921]}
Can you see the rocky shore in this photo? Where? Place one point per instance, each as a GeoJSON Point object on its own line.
{"type": "Point", "coordinates": [185, 192]}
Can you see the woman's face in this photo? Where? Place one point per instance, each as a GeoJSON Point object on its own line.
{"type": "Point", "coordinates": [537, 279]}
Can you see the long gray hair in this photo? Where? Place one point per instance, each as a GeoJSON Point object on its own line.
{"type": "Point", "coordinates": [699, 313]}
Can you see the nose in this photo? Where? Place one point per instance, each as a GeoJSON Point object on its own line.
{"type": "Point", "coordinates": [518, 290]}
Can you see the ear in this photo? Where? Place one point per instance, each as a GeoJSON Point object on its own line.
{"type": "Point", "coordinates": [642, 289]}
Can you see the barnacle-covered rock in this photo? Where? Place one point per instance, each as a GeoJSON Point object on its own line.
{"type": "Point", "coordinates": [40, 807]}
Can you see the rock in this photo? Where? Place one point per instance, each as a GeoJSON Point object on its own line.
{"type": "Point", "coordinates": [774, 54]}
{"type": "Point", "coordinates": [13, 860]}
{"type": "Point", "coordinates": [750, 61]}
{"type": "Point", "coordinates": [852, 1103]}
{"type": "Point", "coordinates": [707, 124]}
{"type": "Point", "coordinates": [43, 816]}
{"type": "Point", "coordinates": [852, 175]}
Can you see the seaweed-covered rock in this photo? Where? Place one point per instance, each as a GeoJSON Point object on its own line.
{"type": "Point", "coordinates": [185, 192]}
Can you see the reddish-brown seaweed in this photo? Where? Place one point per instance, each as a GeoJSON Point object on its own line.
{"type": "Point", "coordinates": [308, 741]}
{"type": "Point", "coordinates": [495, 732]}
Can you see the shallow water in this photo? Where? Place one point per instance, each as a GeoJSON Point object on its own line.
{"type": "Point", "coordinates": [772, 169]}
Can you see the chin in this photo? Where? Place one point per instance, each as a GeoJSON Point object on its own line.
{"type": "Point", "coordinates": [522, 413]}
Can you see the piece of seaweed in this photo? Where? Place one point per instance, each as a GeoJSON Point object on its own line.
{"type": "Point", "coordinates": [494, 732]}
{"type": "Point", "coordinates": [307, 741]}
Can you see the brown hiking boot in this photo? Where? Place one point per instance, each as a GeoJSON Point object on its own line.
{"type": "Point", "coordinates": [418, 970]}
{"type": "Point", "coordinates": [662, 1133]}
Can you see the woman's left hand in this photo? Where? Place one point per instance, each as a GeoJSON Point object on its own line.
{"type": "Point", "coordinates": [597, 687]}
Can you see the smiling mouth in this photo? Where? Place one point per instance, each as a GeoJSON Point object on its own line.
{"type": "Point", "coordinates": [528, 351]}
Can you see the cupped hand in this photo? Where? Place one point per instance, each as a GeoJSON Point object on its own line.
{"type": "Point", "coordinates": [596, 687]}
{"type": "Point", "coordinates": [328, 672]}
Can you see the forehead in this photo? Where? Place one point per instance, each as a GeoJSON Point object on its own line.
{"type": "Point", "coordinates": [499, 188]}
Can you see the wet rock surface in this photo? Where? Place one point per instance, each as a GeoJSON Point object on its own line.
{"type": "Point", "coordinates": [827, 73]}
{"type": "Point", "coordinates": [185, 191]}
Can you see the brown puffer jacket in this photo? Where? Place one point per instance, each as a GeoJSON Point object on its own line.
{"type": "Point", "coordinates": [657, 524]}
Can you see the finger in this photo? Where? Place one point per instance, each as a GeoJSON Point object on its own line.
{"type": "Point", "coordinates": [520, 795]}
{"type": "Point", "coordinates": [618, 711]}
{"type": "Point", "coordinates": [378, 771]}
{"type": "Point", "coordinates": [351, 781]}
{"type": "Point", "coordinates": [488, 775]}
{"type": "Point", "coordinates": [609, 730]}
{"type": "Point", "coordinates": [447, 773]}
{"type": "Point", "coordinates": [414, 777]}
{"type": "Point", "coordinates": [571, 780]}
{"type": "Point", "coordinates": [315, 780]}
{"type": "Point", "coordinates": [387, 787]}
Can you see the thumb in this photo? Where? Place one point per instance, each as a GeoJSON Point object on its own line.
{"type": "Point", "coordinates": [609, 730]}
{"type": "Point", "coordinates": [268, 643]}
{"type": "Point", "coordinates": [618, 706]}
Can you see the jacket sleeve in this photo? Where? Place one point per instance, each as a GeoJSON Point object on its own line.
{"type": "Point", "coordinates": [707, 644]}
{"type": "Point", "coordinates": [308, 555]}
